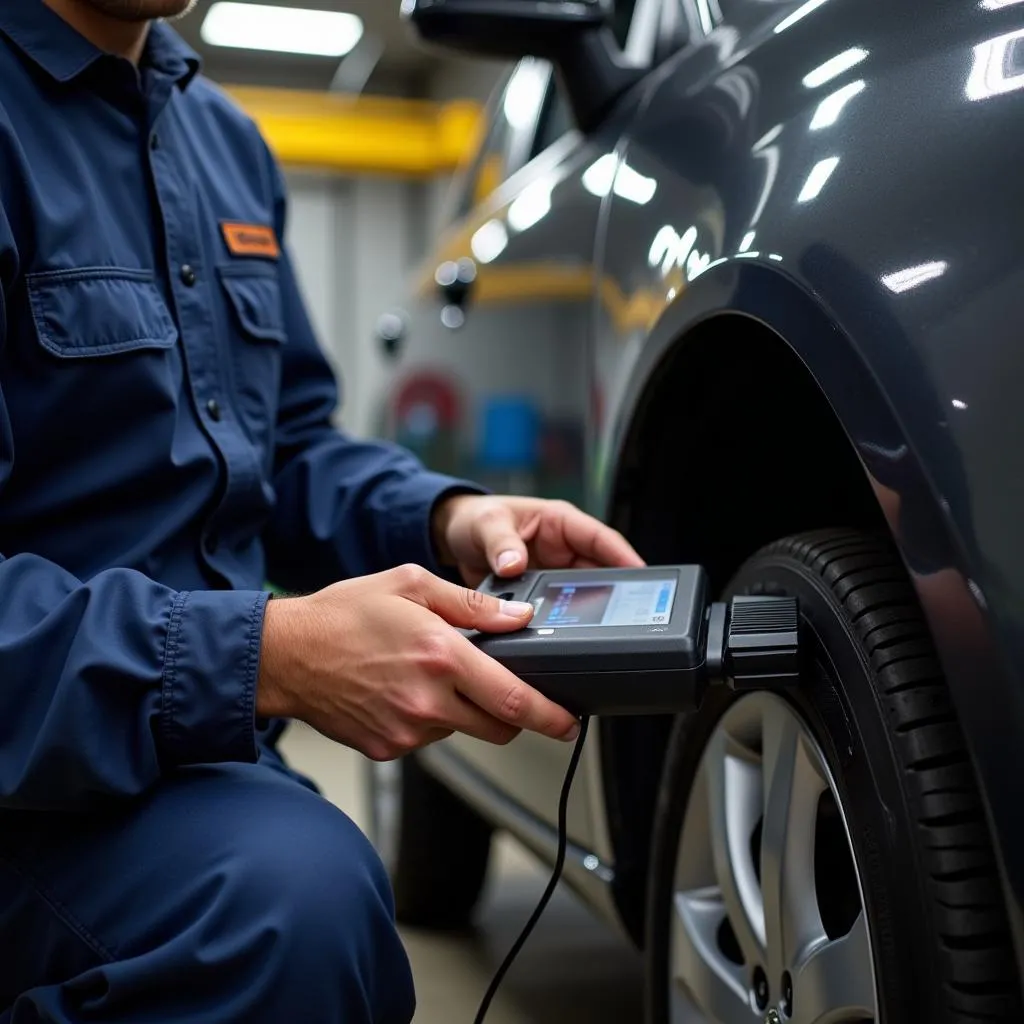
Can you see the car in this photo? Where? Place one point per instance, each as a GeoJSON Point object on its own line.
{"type": "Point", "coordinates": [745, 279]}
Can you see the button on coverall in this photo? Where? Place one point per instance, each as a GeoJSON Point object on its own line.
{"type": "Point", "coordinates": [166, 446]}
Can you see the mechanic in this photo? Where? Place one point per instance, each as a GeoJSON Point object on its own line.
{"type": "Point", "coordinates": [166, 446]}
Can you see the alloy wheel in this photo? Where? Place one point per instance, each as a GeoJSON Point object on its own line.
{"type": "Point", "coordinates": [768, 919]}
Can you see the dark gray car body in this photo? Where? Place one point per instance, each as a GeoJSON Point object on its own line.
{"type": "Point", "coordinates": [812, 318]}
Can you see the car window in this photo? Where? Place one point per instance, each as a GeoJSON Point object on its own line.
{"type": "Point", "coordinates": [526, 114]}
{"type": "Point", "coordinates": [512, 117]}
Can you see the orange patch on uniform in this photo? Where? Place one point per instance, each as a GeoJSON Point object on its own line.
{"type": "Point", "coordinates": [251, 240]}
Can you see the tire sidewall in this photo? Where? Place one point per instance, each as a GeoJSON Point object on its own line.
{"type": "Point", "coordinates": [837, 700]}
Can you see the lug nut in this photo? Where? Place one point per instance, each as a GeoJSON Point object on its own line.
{"type": "Point", "coordinates": [787, 994]}
{"type": "Point", "coordinates": [760, 988]}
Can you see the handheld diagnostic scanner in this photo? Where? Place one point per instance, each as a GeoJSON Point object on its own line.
{"type": "Point", "coordinates": [641, 641]}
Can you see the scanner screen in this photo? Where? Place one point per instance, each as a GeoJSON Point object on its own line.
{"type": "Point", "coordinates": [643, 602]}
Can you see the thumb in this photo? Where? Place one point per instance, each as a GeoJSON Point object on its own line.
{"type": "Point", "coordinates": [496, 535]}
{"type": "Point", "coordinates": [470, 609]}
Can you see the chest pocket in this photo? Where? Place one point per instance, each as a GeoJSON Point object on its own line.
{"type": "Point", "coordinates": [98, 311]}
{"type": "Point", "coordinates": [253, 294]}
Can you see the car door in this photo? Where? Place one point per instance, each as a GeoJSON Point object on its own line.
{"type": "Point", "coordinates": [492, 377]}
{"type": "Point", "coordinates": [499, 339]}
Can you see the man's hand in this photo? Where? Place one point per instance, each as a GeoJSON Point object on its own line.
{"type": "Point", "coordinates": [507, 535]}
{"type": "Point", "coordinates": [374, 663]}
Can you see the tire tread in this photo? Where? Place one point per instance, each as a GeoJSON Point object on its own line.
{"type": "Point", "coordinates": [867, 577]}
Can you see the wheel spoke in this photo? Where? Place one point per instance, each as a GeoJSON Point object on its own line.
{"type": "Point", "coordinates": [715, 985]}
{"type": "Point", "coordinates": [734, 798]}
{"type": "Point", "coordinates": [835, 982]}
{"type": "Point", "coordinates": [792, 786]}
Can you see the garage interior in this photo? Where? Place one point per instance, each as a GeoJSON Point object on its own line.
{"type": "Point", "coordinates": [713, 300]}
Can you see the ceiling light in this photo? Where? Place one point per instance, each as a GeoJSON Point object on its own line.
{"type": "Point", "coordinates": [835, 66]}
{"type": "Point", "coordinates": [281, 29]}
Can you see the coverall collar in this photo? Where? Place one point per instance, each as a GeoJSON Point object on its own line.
{"type": "Point", "coordinates": [64, 54]}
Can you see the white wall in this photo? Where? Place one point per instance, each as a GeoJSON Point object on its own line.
{"type": "Point", "coordinates": [352, 242]}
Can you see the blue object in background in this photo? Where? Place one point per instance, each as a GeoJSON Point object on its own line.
{"type": "Point", "coordinates": [510, 434]}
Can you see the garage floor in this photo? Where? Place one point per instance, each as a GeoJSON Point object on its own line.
{"type": "Point", "coordinates": [573, 969]}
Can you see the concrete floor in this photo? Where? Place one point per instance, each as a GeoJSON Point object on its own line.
{"type": "Point", "coordinates": [574, 970]}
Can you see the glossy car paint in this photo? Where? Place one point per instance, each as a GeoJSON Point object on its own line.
{"type": "Point", "coordinates": [872, 219]}
{"type": "Point", "coordinates": [849, 179]}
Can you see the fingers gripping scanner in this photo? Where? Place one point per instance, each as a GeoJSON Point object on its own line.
{"type": "Point", "coordinates": [642, 641]}
{"type": "Point", "coordinates": [634, 642]}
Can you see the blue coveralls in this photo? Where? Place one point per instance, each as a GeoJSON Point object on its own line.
{"type": "Point", "coordinates": [165, 448]}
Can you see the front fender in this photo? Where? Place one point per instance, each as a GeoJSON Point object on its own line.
{"type": "Point", "coordinates": [852, 183]}
{"type": "Point", "coordinates": [974, 632]}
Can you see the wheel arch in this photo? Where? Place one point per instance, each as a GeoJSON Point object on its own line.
{"type": "Point", "coordinates": [774, 409]}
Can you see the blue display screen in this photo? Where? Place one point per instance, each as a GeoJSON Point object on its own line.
{"type": "Point", "coordinates": [643, 602]}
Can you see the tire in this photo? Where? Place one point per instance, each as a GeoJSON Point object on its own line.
{"type": "Point", "coordinates": [873, 703]}
{"type": "Point", "coordinates": [435, 847]}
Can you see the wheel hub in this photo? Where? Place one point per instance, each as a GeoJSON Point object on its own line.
{"type": "Point", "coordinates": [768, 922]}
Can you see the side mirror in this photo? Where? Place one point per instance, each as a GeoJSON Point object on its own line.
{"type": "Point", "coordinates": [573, 35]}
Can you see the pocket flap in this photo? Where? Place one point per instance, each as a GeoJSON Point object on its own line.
{"type": "Point", "coordinates": [254, 293]}
{"type": "Point", "coordinates": [99, 311]}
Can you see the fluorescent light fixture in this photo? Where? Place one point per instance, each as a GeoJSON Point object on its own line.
{"type": "Point", "coordinates": [281, 29]}
{"type": "Point", "coordinates": [904, 280]}
{"type": "Point", "coordinates": [820, 173]}
{"type": "Point", "coordinates": [531, 206]}
{"type": "Point", "coordinates": [607, 175]}
{"type": "Point", "coordinates": [831, 107]}
{"type": "Point", "coordinates": [801, 12]}
{"type": "Point", "coordinates": [834, 67]}
{"type": "Point", "coordinates": [995, 5]}
{"type": "Point", "coordinates": [753, 254]}
{"type": "Point", "coordinates": [489, 241]}
{"type": "Point", "coordinates": [959, 403]}
{"type": "Point", "coordinates": [775, 256]}
{"type": "Point", "coordinates": [988, 73]}
{"type": "Point", "coordinates": [747, 242]}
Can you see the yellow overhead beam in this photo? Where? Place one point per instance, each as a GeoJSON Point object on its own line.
{"type": "Point", "coordinates": [363, 134]}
